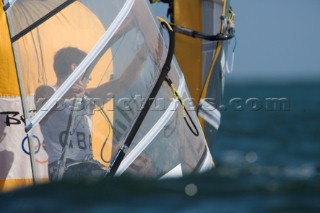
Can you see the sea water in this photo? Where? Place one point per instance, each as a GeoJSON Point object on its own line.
{"type": "Point", "coordinates": [267, 157]}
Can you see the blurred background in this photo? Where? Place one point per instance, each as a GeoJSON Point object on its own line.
{"type": "Point", "coordinates": [277, 40]}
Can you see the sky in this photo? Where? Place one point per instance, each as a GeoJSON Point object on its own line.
{"type": "Point", "coordinates": [278, 40]}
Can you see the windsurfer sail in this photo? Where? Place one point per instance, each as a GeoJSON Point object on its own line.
{"type": "Point", "coordinates": [203, 33]}
{"type": "Point", "coordinates": [153, 142]}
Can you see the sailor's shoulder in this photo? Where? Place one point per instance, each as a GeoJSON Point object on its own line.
{"type": "Point", "coordinates": [44, 91]}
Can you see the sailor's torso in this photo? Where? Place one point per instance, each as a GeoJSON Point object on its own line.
{"type": "Point", "coordinates": [54, 130]}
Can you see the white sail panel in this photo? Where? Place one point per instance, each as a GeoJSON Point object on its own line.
{"type": "Point", "coordinates": [211, 13]}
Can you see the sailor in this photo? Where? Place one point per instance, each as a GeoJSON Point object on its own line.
{"type": "Point", "coordinates": [75, 143]}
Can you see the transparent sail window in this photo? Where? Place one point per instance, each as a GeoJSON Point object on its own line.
{"type": "Point", "coordinates": [91, 121]}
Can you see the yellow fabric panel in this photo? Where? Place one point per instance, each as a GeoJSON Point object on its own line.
{"type": "Point", "coordinates": [102, 133]}
{"type": "Point", "coordinates": [188, 51]}
{"type": "Point", "coordinates": [9, 185]}
{"type": "Point", "coordinates": [37, 49]}
{"type": "Point", "coordinates": [75, 26]}
{"type": "Point", "coordinates": [9, 85]}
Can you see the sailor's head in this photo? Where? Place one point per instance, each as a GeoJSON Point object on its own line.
{"type": "Point", "coordinates": [66, 61]}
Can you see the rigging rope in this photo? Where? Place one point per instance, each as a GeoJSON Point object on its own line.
{"type": "Point", "coordinates": [104, 114]}
{"type": "Point", "coordinates": [185, 112]}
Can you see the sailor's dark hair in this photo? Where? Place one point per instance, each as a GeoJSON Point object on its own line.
{"type": "Point", "coordinates": [64, 58]}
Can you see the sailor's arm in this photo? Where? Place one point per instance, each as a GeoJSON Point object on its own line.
{"type": "Point", "coordinates": [42, 95]}
{"type": "Point", "coordinates": [124, 82]}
